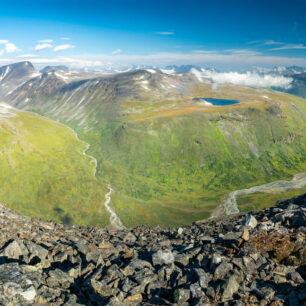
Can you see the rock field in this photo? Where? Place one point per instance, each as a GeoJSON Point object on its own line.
{"type": "Point", "coordinates": [256, 259]}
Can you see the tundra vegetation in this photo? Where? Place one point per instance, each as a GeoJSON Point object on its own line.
{"type": "Point", "coordinates": [169, 158]}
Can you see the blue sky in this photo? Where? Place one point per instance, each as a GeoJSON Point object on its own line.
{"type": "Point", "coordinates": [221, 33]}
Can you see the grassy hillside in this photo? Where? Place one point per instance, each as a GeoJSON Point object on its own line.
{"type": "Point", "coordinates": [43, 172]}
{"type": "Point", "coordinates": [171, 159]}
{"type": "Point", "coordinates": [173, 165]}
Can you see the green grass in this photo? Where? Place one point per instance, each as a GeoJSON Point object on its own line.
{"type": "Point", "coordinates": [258, 201]}
{"type": "Point", "coordinates": [173, 170]}
{"type": "Point", "coordinates": [172, 161]}
{"type": "Point", "coordinates": [43, 172]}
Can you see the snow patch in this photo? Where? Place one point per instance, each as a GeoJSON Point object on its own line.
{"type": "Point", "coordinates": [4, 105]}
{"type": "Point", "coordinates": [197, 74]}
{"type": "Point", "coordinates": [214, 86]}
{"type": "Point", "coordinates": [35, 74]}
{"type": "Point", "coordinates": [6, 111]}
{"type": "Point", "coordinates": [7, 70]}
{"type": "Point", "coordinates": [167, 71]}
{"type": "Point", "coordinates": [206, 102]}
{"type": "Point", "coordinates": [151, 70]}
{"type": "Point", "coordinates": [61, 76]}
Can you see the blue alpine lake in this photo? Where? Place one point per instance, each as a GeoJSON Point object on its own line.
{"type": "Point", "coordinates": [214, 101]}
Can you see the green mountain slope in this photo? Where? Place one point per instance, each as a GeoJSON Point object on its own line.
{"type": "Point", "coordinates": [172, 159]}
{"type": "Point", "coordinates": [43, 172]}
{"type": "Point", "coordinates": [173, 166]}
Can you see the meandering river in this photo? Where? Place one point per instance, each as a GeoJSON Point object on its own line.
{"type": "Point", "coordinates": [114, 219]}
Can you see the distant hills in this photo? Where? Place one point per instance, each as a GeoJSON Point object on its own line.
{"type": "Point", "coordinates": [51, 68]}
{"type": "Point", "coordinates": [12, 76]}
{"type": "Point", "coordinates": [298, 85]}
{"type": "Point", "coordinates": [183, 68]}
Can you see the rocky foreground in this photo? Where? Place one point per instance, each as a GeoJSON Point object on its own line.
{"type": "Point", "coordinates": [256, 258]}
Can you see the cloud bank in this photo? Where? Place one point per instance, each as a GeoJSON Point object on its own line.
{"type": "Point", "coordinates": [228, 61]}
{"type": "Point", "coordinates": [245, 79]}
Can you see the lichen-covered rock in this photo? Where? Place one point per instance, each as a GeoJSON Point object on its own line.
{"type": "Point", "coordinates": [230, 287]}
{"type": "Point", "coordinates": [16, 285]}
{"type": "Point", "coordinates": [161, 258]}
{"type": "Point", "coordinates": [250, 221]}
{"type": "Point", "coordinates": [181, 296]}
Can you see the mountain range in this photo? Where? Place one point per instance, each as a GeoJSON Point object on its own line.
{"type": "Point", "coordinates": [170, 157]}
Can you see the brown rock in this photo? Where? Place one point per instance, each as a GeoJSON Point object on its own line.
{"type": "Point", "coordinates": [128, 255]}
{"type": "Point", "coordinates": [105, 245]}
{"type": "Point", "coordinates": [246, 235]}
{"type": "Point", "coordinates": [136, 298]}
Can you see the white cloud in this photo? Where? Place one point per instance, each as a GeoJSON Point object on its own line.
{"type": "Point", "coordinates": [290, 46]}
{"type": "Point", "coordinates": [283, 46]}
{"type": "Point", "coordinates": [245, 79]}
{"type": "Point", "coordinates": [271, 42]}
{"type": "Point", "coordinates": [254, 42]}
{"type": "Point", "coordinates": [165, 33]}
{"type": "Point", "coordinates": [10, 48]}
{"type": "Point", "coordinates": [204, 51]}
{"type": "Point", "coordinates": [117, 51]}
{"type": "Point", "coordinates": [42, 47]}
{"type": "Point", "coordinates": [242, 51]}
{"type": "Point", "coordinates": [27, 56]}
{"type": "Point", "coordinates": [46, 41]}
{"type": "Point", "coordinates": [63, 47]}
{"type": "Point", "coordinates": [265, 42]}
{"type": "Point", "coordinates": [65, 38]}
